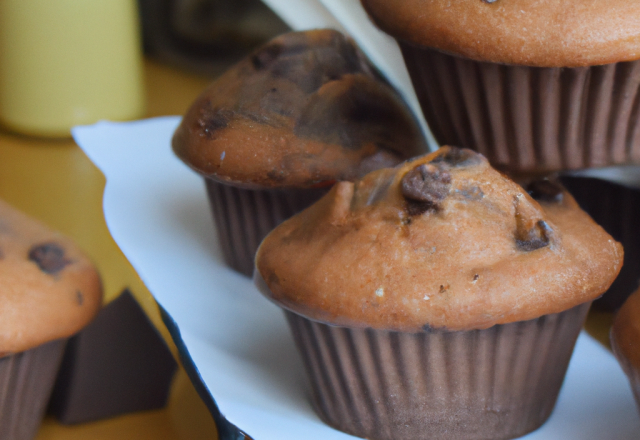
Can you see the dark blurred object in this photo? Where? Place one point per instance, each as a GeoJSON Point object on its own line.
{"type": "Point", "coordinates": [617, 209]}
{"type": "Point", "coordinates": [116, 365]}
{"type": "Point", "coordinates": [206, 36]}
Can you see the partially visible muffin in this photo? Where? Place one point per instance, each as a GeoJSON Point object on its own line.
{"type": "Point", "coordinates": [271, 134]}
{"type": "Point", "coordinates": [437, 299]}
{"type": "Point", "coordinates": [531, 92]}
{"type": "Point", "coordinates": [615, 207]}
{"type": "Point", "coordinates": [625, 341]}
{"type": "Point", "coordinates": [50, 290]}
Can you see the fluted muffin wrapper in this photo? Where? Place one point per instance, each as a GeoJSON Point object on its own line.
{"type": "Point", "coordinates": [530, 119]}
{"type": "Point", "coordinates": [497, 383]}
{"type": "Point", "coordinates": [616, 208]}
{"type": "Point", "coordinates": [26, 382]}
{"type": "Point", "coordinates": [243, 217]}
{"type": "Point", "coordinates": [633, 373]}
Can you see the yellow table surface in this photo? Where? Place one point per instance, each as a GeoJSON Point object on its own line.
{"type": "Point", "coordinates": [53, 181]}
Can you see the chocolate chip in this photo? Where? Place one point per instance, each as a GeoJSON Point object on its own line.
{"type": "Point", "coordinates": [277, 175]}
{"type": "Point", "coordinates": [49, 257]}
{"type": "Point", "coordinates": [545, 190]}
{"type": "Point", "coordinates": [424, 187]}
{"type": "Point", "coordinates": [458, 157]}
{"type": "Point", "coordinates": [79, 297]}
{"type": "Point", "coordinates": [535, 238]}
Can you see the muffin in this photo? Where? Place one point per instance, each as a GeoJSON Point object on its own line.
{"type": "Point", "coordinates": [528, 90]}
{"type": "Point", "coordinates": [437, 299]}
{"type": "Point", "coordinates": [50, 291]}
{"type": "Point", "coordinates": [625, 341]}
{"type": "Point", "coordinates": [272, 134]}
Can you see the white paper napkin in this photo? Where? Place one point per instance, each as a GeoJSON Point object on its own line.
{"type": "Point", "coordinates": [157, 212]}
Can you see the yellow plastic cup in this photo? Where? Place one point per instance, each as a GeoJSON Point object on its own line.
{"type": "Point", "coordinates": [68, 62]}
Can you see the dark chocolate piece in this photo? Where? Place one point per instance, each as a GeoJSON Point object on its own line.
{"type": "Point", "coordinates": [425, 187]}
{"type": "Point", "coordinates": [545, 190]}
{"type": "Point", "coordinates": [118, 364]}
{"type": "Point", "coordinates": [534, 238]}
{"type": "Point", "coordinates": [49, 257]}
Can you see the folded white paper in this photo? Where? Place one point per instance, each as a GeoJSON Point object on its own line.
{"type": "Point", "coordinates": [157, 212]}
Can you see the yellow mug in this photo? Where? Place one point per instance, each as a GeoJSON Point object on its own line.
{"type": "Point", "coordinates": [68, 62]}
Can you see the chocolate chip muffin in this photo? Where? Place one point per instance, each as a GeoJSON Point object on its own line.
{"type": "Point", "coordinates": [625, 341]}
{"type": "Point", "coordinates": [275, 131]}
{"type": "Point", "coordinates": [530, 91]}
{"type": "Point", "coordinates": [50, 291]}
{"type": "Point", "coordinates": [437, 299]}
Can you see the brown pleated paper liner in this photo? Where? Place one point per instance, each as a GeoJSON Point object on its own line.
{"type": "Point", "coordinates": [633, 374]}
{"type": "Point", "coordinates": [497, 383]}
{"type": "Point", "coordinates": [26, 382]}
{"type": "Point", "coordinates": [530, 119]}
{"type": "Point", "coordinates": [243, 217]}
{"type": "Point", "coordinates": [616, 208]}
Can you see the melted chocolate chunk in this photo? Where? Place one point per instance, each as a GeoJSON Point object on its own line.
{"type": "Point", "coordinates": [424, 187]}
{"type": "Point", "coordinates": [308, 63]}
{"type": "Point", "coordinates": [458, 157]}
{"type": "Point", "coordinates": [49, 257]}
{"type": "Point", "coordinates": [545, 190]}
{"type": "Point", "coordinates": [535, 238]}
{"type": "Point", "coordinates": [354, 116]}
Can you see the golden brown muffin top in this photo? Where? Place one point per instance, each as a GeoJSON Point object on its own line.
{"type": "Point", "coordinates": [50, 290]}
{"type": "Point", "coordinates": [558, 33]}
{"type": "Point", "coordinates": [307, 109]}
{"type": "Point", "coordinates": [440, 241]}
{"type": "Point", "coordinates": [625, 334]}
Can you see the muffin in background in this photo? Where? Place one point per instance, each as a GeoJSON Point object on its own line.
{"type": "Point", "coordinates": [625, 341]}
{"type": "Point", "coordinates": [513, 82]}
{"type": "Point", "coordinates": [615, 207]}
{"type": "Point", "coordinates": [50, 291]}
{"type": "Point", "coordinates": [272, 134]}
{"type": "Point", "coordinates": [437, 299]}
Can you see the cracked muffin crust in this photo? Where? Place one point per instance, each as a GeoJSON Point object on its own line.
{"type": "Point", "coordinates": [442, 241]}
{"type": "Point", "coordinates": [305, 110]}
